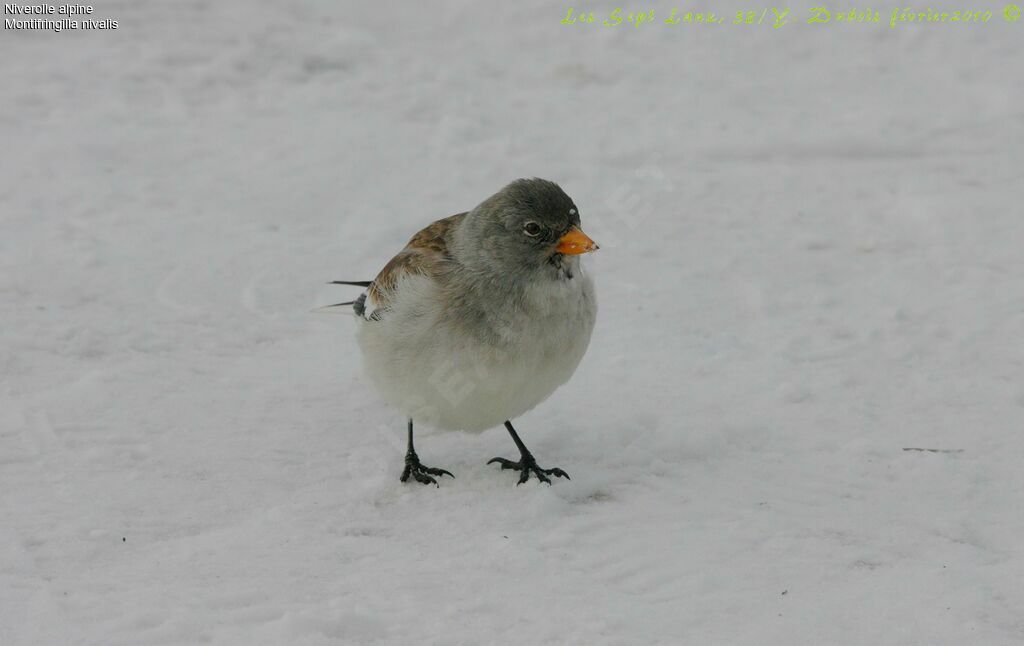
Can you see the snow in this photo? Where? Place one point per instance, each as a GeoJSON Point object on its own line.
{"type": "Point", "coordinates": [810, 261]}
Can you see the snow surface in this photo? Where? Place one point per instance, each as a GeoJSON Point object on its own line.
{"type": "Point", "coordinates": [811, 260]}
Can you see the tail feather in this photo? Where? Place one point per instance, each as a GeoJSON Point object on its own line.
{"type": "Point", "coordinates": [355, 283]}
{"type": "Point", "coordinates": [337, 308]}
{"type": "Point", "coordinates": [357, 304]}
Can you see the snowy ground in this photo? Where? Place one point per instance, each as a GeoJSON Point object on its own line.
{"type": "Point", "coordinates": [811, 260]}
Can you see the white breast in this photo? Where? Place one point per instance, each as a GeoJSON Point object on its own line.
{"type": "Point", "coordinates": [433, 371]}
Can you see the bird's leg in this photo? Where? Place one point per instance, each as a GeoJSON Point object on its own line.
{"type": "Point", "coordinates": [527, 464]}
{"type": "Point", "coordinates": [415, 469]}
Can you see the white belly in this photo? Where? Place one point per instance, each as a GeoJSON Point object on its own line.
{"type": "Point", "coordinates": [428, 370]}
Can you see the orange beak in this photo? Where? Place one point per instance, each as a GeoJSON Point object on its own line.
{"type": "Point", "coordinates": [575, 242]}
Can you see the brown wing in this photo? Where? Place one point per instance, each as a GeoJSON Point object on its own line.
{"type": "Point", "coordinates": [424, 254]}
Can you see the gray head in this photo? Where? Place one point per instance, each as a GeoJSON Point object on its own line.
{"type": "Point", "coordinates": [529, 226]}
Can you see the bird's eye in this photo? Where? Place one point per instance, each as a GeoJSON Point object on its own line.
{"type": "Point", "coordinates": [531, 229]}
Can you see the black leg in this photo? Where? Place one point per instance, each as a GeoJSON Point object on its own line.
{"type": "Point", "coordinates": [415, 469]}
{"type": "Point", "coordinates": [527, 464]}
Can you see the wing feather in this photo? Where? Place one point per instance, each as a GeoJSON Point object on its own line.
{"type": "Point", "coordinates": [425, 254]}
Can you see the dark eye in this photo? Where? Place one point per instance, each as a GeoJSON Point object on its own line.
{"type": "Point", "coordinates": [531, 229]}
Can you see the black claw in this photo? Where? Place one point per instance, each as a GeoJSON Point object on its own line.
{"type": "Point", "coordinates": [424, 479]}
{"type": "Point", "coordinates": [528, 465]}
{"type": "Point", "coordinates": [421, 473]}
{"type": "Point", "coordinates": [505, 464]}
{"type": "Point", "coordinates": [437, 472]}
{"type": "Point", "coordinates": [539, 473]}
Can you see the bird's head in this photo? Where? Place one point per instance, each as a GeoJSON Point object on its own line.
{"type": "Point", "coordinates": [529, 226]}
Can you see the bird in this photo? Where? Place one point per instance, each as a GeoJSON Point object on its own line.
{"type": "Point", "coordinates": [480, 318]}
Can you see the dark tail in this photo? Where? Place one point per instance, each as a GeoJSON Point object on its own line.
{"type": "Point", "coordinates": [358, 304]}
{"type": "Point", "coordinates": [355, 283]}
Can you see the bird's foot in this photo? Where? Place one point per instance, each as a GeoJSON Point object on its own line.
{"type": "Point", "coordinates": [528, 465]}
{"type": "Point", "coordinates": [419, 472]}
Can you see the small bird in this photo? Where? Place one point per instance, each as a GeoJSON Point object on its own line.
{"type": "Point", "coordinates": [480, 318]}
